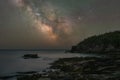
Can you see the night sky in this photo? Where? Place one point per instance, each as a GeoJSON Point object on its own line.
{"type": "Point", "coordinates": [39, 24]}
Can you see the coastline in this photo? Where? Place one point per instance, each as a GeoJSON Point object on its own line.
{"type": "Point", "coordinates": [74, 68]}
{"type": "Point", "coordinates": [82, 68]}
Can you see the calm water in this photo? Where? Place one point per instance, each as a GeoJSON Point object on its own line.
{"type": "Point", "coordinates": [12, 61]}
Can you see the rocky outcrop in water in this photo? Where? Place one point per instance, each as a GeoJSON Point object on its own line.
{"type": "Point", "coordinates": [28, 56]}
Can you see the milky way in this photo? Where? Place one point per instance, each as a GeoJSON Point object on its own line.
{"type": "Point", "coordinates": [46, 19]}
{"type": "Point", "coordinates": [55, 23]}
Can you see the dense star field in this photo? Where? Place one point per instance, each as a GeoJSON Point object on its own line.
{"type": "Point", "coordinates": [55, 23]}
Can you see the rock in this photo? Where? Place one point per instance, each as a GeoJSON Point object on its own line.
{"type": "Point", "coordinates": [27, 56]}
{"type": "Point", "coordinates": [87, 68]}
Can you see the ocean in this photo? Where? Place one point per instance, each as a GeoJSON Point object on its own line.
{"type": "Point", "coordinates": [12, 62]}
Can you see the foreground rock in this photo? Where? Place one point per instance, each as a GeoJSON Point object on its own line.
{"type": "Point", "coordinates": [105, 43]}
{"type": "Point", "coordinates": [89, 68]}
{"type": "Point", "coordinates": [32, 77]}
{"type": "Point", "coordinates": [27, 56]}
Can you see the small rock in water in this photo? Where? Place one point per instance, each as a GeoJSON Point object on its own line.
{"type": "Point", "coordinates": [27, 56]}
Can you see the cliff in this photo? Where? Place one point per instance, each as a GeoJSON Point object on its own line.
{"type": "Point", "coordinates": [108, 42]}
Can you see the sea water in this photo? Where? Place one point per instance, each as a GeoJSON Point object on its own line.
{"type": "Point", "coordinates": [12, 62]}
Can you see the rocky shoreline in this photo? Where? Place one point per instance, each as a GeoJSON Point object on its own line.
{"type": "Point", "coordinates": [79, 68]}
{"type": "Point", "coordinates": [88, 68]}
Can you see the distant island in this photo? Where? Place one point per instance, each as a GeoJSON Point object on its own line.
{"type": "Point", "coordinates": [104, 43]}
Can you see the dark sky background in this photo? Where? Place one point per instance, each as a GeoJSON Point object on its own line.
{"type": "Point", "coordinates": [31, 24]}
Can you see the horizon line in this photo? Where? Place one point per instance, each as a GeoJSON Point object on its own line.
{"type": "Point", "coordinates": [29, 49]}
